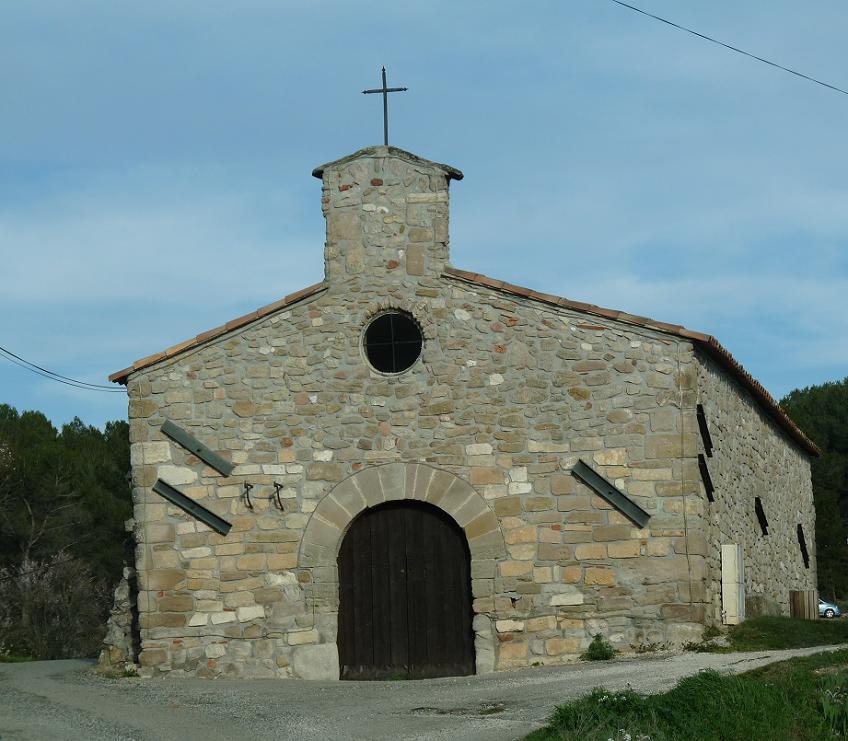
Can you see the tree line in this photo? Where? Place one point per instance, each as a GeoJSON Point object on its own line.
{"type": "Point", "coordinates": [64, 498]}
{"type": "Point", "coordinates": [822, 413]}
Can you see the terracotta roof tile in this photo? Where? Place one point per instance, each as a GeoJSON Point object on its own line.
{"type": "Point", "coordinates": [149, 360]}
{"type": "Point", "coordinates": [178, 348]}
{"type": "Point", "coordinates": [706, 342]}
{"type": "Point", "coordinates": [122, 375]}
{"type": "Point", "coordinates": [209, 334]}
{"type": "Point", "coordinates": [241, 321]}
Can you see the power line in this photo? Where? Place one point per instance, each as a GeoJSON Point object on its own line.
{"type": "Point", "coordinates": [732, 48]}
{"type": "Point", "coordinates": [50, 375]}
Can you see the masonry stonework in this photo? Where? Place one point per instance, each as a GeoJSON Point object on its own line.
{"type": "Point", "coordinates": [511, 390]}
{"type": "Point", "coordinates": [753, 459]}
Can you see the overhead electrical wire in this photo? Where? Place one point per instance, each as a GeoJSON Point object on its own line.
{"type": "Point", "coordinates": [37, 369]}
{"type": "Point", "coordinates": [732, 48]}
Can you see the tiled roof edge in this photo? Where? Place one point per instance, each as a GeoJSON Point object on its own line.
{"type": "Point", "coordinates": [121, 376]}
{"type": "Point", "coordinates": [706, 342]}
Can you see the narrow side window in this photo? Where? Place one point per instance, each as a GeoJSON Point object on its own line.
{"type": "Point", "coordinates": [761, 515]}
{"type": "Point", "coordinates": [802, 541]}
{"type": "Point", "coordinates": [706, 478]}
{"type": "Point", "coordinates": [705, 431]}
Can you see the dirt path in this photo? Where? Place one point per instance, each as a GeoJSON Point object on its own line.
{"type": "Point", "coordinates": [63, 700]}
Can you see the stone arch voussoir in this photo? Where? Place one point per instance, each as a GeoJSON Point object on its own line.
{"type": "Point", "coordinates": [394, 482]}
{"type": "Point", "coordinates": [371, 487]}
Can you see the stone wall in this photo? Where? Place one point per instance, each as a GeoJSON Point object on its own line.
{"type": "Point", "coordinates": [509, 393]}
{"type": "Point", "coordinates": [753, 457]}
{"type": "Point", "coordinates": [507, 396]}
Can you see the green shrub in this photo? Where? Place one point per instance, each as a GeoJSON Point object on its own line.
{"type": "Point", "coordinates": [598, 650]}
{"type": "Point", "coordinates": [52, 609]}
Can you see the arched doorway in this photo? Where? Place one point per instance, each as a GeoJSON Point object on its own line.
{"type": "Point", "coordinates": [404, 595]}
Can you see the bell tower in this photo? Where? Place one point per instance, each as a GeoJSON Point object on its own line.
{"type": "Point", "coordinates": [387, 214]}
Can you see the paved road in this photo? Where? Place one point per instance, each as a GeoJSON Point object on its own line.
{"type": "Point", "coordinates": [49, 700]}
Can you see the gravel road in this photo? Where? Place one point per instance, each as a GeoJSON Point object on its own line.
{"type": "Point", "coordinates": [48, 700]}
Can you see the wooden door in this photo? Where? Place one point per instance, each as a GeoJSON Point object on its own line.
{"type": "Point", "coordinates": [405, 595]}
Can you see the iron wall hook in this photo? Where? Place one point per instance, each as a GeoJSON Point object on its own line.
{"type": "Point", "coordinates": [277, 489]}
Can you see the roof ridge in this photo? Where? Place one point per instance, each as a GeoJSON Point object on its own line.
{"type": "Point", "coordinates": [121, 376]}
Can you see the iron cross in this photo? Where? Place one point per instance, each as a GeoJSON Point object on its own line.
{"type": "Point", "coordinates": [385, 91]}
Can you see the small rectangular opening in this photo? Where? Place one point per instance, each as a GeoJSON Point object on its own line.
{"type": "Point", "coordinates": [761, 515]}
{"type": "Point", "coordinates": [802, 541]}
{"type": "Point", "coordinates": [705, 431]}
{"type": "Point", "coordinates": [706, 478]}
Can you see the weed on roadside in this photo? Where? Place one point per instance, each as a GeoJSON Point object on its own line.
{"type": "Point", "coordinates": [598, 650]}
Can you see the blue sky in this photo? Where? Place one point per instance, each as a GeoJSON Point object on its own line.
{"type": "Point", "coordinates": [155, 165]}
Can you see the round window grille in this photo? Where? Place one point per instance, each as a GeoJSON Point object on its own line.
{"type": "Point", "coordinates": [393, 342]}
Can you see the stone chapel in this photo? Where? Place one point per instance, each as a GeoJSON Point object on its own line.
{"type": "Point", "coordinates": [411, 470]}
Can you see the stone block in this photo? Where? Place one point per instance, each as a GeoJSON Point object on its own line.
{"type": "Point", "coordinates": [252, 612]}
{"type": "Point", "coordinates": [219, 618]}
{"type": "Point", "coordinates": [658, 547]}
{"type": "Point", "coordinates": [627, 549]}
{"type": "Point", "coordinates": [481, 525]}
{"type": "Point", "coordinates": [281, 562]}
{"type": "Point", "coordinates": [176, 603]}
{"type": "Point", "coordinates": [538, 504]}
{"type": "Point", "coordinates": [572, 574]}
{"type": "Point", "coordinates": [161, 579]}
{"type": "Point", "coordinates": [508, 506]}
{"type": "Point", "coordinates": [251, 562]}
{"type": "Point", "coordinates": [554, 552]}
{"type": "Point", "coordinates": [153, 657]}
{"type": "Point", "coordinates": [154, 452]}
{"type": "Point", "coordinates": [165, 559]}
{"type": "Point", "coordinates": [215, 651]}
{"type": "Point", "coordinates": [590, 551]}
{"type": "Point", "coordinates": [526, 534]}
{"type": "Point", "coordinates": [542, 574]}
{"type": "Point", "coordinates": [612, 532]}
{"type": "Point", "coordinates": [318, 661]}
{"type": "Point", "coordinates": [567, 599]}
{"type": "Point", "coordinates": [481, 475]}
{"type": "Point", "coordinates": [525, 552]}
{"type": "Point", "coordinates": [539, 624]}
{"type": "Point", "coordinates": [663, 446]}
{"type": "Point", "coordinates": [559, 646]}
{"type": "Point", "coordinates": [599, 575]}
{"type": "Point", "coordinates": [509, 626]}
{"type": "Point", "coordinates": [176, 475]}
{"type": "Point", "coordinates": [515, 568]}
{"type": "Point", "coordinates": [302, 637]}
{"type": "Point", "coordinates": [513, 649]}
{"type": "Point", "coordinates": [318, 471]}
{"type": "Point", "coordinates": [611, 457]}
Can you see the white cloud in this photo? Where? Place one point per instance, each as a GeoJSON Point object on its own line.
{"type": "Point", "coordinates": [156, 235]}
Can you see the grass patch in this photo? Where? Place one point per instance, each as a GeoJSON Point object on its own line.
{"type": "Point", "coordinates": [12, 659]}
{"type": "Point", "coordinates": [772, 633]}
{"type": "Point", "coordinates": [804, 698]}
{"type": "Point", "coordinates": [767, 633]}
